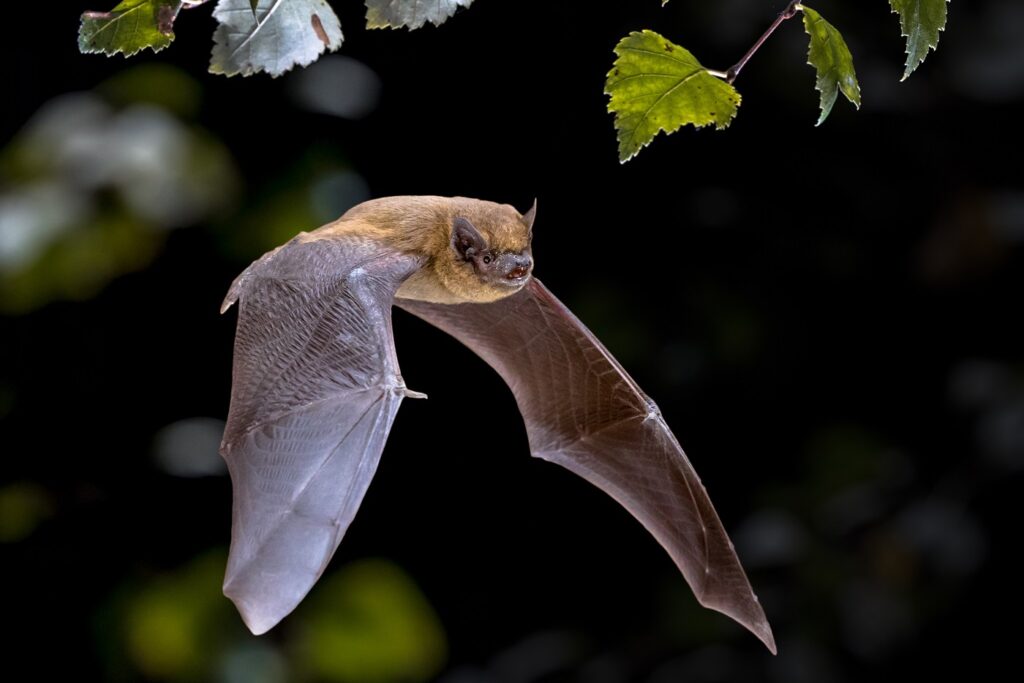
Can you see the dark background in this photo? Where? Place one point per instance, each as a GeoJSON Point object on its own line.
{"type": "Point", "coordinates": [829, 318]}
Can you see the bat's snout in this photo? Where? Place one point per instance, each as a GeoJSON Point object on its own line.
{"type": "Point", "coordinates": [516, 267]}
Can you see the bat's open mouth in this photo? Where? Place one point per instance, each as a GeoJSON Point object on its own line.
{"type": "Point", "coordinates": [517, 273]}
{"type": "Point", "coordinates": [516, 269]}
{"type": "Point", "coordinates": [511, 280]}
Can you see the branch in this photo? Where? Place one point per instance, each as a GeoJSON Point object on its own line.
{"type": "Point", "coordinates": [791, 9]}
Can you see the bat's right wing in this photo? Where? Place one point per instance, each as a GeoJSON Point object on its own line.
{"type": "Point", "coordinates": [315, 388]}
{"type": "Point", "coordinates": [585, 413]}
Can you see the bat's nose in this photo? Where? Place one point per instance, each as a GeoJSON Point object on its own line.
{"type": "Point", "coordinates": [518, 266]}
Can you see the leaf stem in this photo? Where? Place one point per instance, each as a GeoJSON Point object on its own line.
{"type": "Point", "coordinates": [791, 9]}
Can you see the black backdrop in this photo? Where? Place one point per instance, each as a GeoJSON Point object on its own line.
{"type": "Point", "coordinates": [806, 305]}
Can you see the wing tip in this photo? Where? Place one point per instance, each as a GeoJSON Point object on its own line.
{"type": "Point", "coordinates": [757, 623]}
{"type": "Point", "coordinates": [764, 633]}
{"type": "Point", "coordinates": [751, 617]}
{"type": "Point", "coordinates": [257, 618]}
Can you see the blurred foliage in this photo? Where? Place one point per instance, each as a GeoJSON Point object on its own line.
{"type": "Point", "coordinates": [174, 626]}
{"type": "Point", "coordinates": [317, 188]}
{"type": "Point", "coordinates": [366, 622]}
{"type": "Point", "coordinates": [91, 187]}
{"type": "Point", "coordinates": [842, 456]}
{"type": "Point", "coordinates": [370, 624]}
{"type": "Point", "coordinates": [161, 85]}
{"type": "Point", "coordinates": [189, 447]}
{"type": "Point", "coordinates": [78, 265]}
{"type": "Point", "coordinates": [23, 506]}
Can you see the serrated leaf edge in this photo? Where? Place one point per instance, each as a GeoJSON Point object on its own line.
{"type": "Point", "coordinates": [246, 73]}
{"type": "Point", "coordinates": [929, 47]}
{"type": "Point", "coordinates": [411, 26]}
{"type": "Point", "coordinates": [661, 130]}
{"type": "Point", "coordinates": [84, 48]}
{"type": "Point", "coordinates": [827, 109]}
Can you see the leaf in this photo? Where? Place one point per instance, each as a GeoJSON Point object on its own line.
{"type": "Point", "coordinates": [657, 86]}
{"type": "Point", "coordinates": [411, 14]}
{"type": "Point", "coordinates": [920, 23]}
{"type": "Point", "coordinates": [829, 55]}
{"type": "Point", "coordinates": [277, 36]}
{"type": "Point", "coordinates": [130, 27]}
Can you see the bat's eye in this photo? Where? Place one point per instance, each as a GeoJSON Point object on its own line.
{"type": "Point", "coordinates": [487, 258]}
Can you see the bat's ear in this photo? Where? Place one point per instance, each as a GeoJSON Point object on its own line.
{"type": "Point", "coordinates": [466, 241]}
{"type": "Point", "coordinates": [530, 215]}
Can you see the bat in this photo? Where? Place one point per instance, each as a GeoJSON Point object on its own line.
{"type": "Point", "coordinates": [316, 386]}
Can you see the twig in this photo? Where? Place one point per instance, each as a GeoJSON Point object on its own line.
{"type": "Point", "coordinates": [791, 9]}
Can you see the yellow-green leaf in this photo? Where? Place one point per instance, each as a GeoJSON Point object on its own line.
{"type": "Point", "coordinates": [130, 27]}
{"type": "Point", "coordinates": [658, 86]}
{"type": "Point", "coordinates": [831, 58]}
{"type": "Point", "coordinates": [920, 23]}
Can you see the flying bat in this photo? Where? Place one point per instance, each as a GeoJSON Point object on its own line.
{"type": "Point", "coordinates": [316, 386]}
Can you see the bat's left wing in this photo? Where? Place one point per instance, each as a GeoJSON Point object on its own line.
{"type": "Point", "coordinates": [315, 388]}
{"type": "Point", "coordinates": [585, 413]}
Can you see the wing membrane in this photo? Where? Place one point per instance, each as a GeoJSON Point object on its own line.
{"type": "Point", "coordinates": [584, 412]}
{"type": "Point", "coordinates": [315, 389]}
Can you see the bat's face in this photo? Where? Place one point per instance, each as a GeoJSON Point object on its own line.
{"type": "Point", "coordinates": [489, 255]}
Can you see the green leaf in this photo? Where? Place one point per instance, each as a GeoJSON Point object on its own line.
{"type": "Point", "coordinates": [920, 23]}
{"type": "Point", "coordinates": [657, 86]}
{"type": "Point", "coordinates": [130, 27]}
{"type": "Point", "coordinates": [411, 14]}
{"type": "Point", "coordinates": [279, 35]}
{"type": "Point", "coordinates": [829, 55]}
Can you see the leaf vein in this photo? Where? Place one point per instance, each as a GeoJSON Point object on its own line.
{"type": "Point", "coordinates": [643, 117]}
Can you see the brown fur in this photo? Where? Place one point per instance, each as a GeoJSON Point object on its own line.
{"type": "Point", "coordinates": [422, 225]}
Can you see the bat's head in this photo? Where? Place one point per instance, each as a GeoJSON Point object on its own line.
{"type": "Point", "coordinates": [488, 255]}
